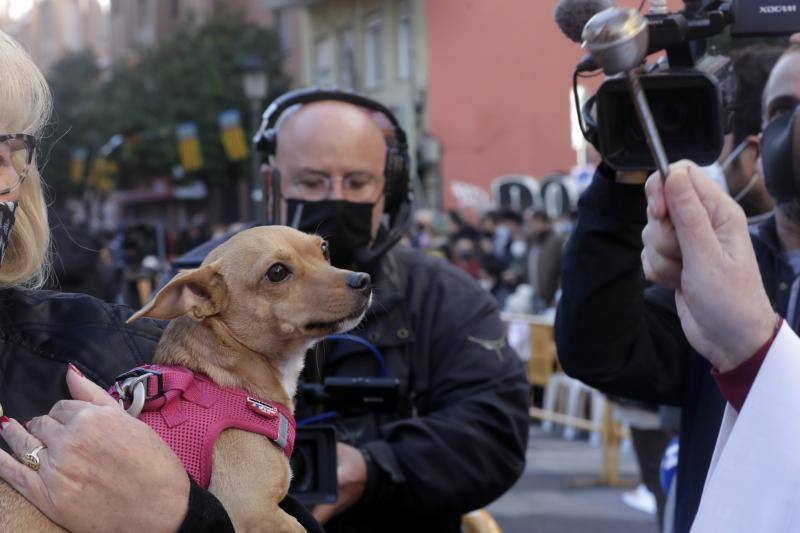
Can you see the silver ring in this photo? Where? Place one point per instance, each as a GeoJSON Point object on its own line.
{"type": "Point", "coordinates": [31, 459]}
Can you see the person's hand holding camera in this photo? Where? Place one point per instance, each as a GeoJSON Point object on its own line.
{"type": "Point", "coordinates": [351, 473]}
{"type": "Point", "coordinates": [697, 242]}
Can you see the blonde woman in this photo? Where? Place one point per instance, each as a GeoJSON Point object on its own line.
{"type": "Point", "coordinates": [99, 469]}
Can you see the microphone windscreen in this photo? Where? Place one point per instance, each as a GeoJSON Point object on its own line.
{"type": "Point", "coordinates": [572, 15]}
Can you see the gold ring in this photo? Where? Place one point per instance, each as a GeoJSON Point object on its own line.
{"type": "Point", "coordinates": [31, 459]}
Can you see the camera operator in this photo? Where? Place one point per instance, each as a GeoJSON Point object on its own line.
{"type": "Point", "coordinates": [457, 441]}
{"type": "Point", "coordinates": [625, 340]}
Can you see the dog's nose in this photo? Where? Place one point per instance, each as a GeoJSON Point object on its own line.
{"type": "Point", "coordinates": [359, 281]}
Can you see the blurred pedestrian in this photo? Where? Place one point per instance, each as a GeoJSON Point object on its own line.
{"type": "Point", "coordinates": [82, 262]}
{"type": "Point", "coordinates": [545, 247]}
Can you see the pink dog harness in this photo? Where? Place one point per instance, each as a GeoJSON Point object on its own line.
{"type": "Point", "coordinates": [189, 411]}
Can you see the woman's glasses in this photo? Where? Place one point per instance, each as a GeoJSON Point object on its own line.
{"type": "Point", "coordinates": [16, 156]}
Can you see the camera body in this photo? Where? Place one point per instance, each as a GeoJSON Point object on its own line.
{"type": "Point", "coordinates": [314, 457]}
{"type": "Point", "coordinates": [755, 18]}
{"type": "Point", "coordinates": [690, 91]}
{"type": "Point", "coordinates": [691, 108]}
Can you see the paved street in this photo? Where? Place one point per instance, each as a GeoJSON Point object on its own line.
{"type": "Point", "coordinates": [544, 500]}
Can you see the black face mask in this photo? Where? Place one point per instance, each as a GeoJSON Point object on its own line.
{"type": "Point", "coordinates": [347, 226]}
{"type": "Point", "coordinates": [7, 217]}
{"type": "Point", "coordinates": [780, 155]}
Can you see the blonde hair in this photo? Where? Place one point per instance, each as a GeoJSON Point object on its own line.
{"type": "Point", "coordinates": [25, 107]}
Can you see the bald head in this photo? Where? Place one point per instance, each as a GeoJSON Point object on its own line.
{"type": "Point", "coordinates": [782, 92]}
{"type": "Point", "coordinates": [330, 132]}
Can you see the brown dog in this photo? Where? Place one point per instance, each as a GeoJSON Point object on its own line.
{"type": "Point", "coordinates": [245, 319]}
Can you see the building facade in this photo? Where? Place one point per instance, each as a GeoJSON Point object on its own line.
{"type": "Point", "coordinates": [376, 47]}
{"type": "Point", "coordinates": [51, 29]}
{"type": "Point", "coordinates": [482, 87]}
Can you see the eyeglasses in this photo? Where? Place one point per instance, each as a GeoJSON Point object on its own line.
{"type": "Point", "coordinates": [356, 187]}
{"type": "Point", "coordinates": [16, 156]}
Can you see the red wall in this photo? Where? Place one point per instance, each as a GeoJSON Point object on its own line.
{"type": "Point", "coordinates": [499, 78]}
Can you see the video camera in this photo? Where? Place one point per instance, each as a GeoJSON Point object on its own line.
{"type": "Point", "coordinates": [690, 93]}
{"type": "Point", "coordinates": [314, 458]}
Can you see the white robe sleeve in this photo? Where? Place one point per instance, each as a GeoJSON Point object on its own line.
{"type": "Point", "coordinates": [753, 483]}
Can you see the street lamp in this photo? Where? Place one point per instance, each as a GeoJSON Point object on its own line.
{"type": "Point", "coordinates": [255, 83]}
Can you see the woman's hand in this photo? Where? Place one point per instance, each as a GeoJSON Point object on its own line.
{"type": "Point", "coordinates": [102, 469]}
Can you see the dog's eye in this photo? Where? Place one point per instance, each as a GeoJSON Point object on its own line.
{"type": "Point", "coordinates": [277, 273]}
{"type": "Point", "coordinates": [326, 252]}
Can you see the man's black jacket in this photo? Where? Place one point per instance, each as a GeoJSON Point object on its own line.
{"type": "Point", "coordinates": [458, 440]}
{"type": "Point", "coordinates": [626, 340]}
{"type": "Point", "coordinates": [42, 331]}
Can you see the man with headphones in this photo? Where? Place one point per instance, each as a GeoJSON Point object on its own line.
{"type": "Point", "coordinates": [339, 166]}
{"type": "Point", "coordinates": [348, 210]}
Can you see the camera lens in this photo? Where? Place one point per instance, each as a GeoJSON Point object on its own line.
{"type": "Point", "coordinates": [671, 114]}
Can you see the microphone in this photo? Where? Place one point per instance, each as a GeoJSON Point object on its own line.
{"type": "Point", "coordinates": [572, 16]}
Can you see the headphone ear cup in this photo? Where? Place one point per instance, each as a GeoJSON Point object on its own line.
{"type": "Point", "coordinates": [397, 179]}
{"type": "Point", "coordinates": [269, 143]}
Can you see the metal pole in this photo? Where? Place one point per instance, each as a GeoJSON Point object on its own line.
{"type": "Point", "coordinates": [648, 124]}
{"type": "Point", "coordinates": [257, 189]}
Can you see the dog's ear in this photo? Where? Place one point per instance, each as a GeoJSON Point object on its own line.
{"type": "Point", "coordinates": [199, 292]}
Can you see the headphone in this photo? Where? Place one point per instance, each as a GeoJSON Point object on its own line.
{"type": "Point", "coordinates": [399, 194]}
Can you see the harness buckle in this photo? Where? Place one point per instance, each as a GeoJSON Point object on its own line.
{"type": "Point", "coordinates": [132, 386]}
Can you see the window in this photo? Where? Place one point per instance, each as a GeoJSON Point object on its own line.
{"type": "Point", "coordinates": [72, 36]}
{"type": "Point", "coordinates": [373, 52]}
{"type": "Point", "coordinates": [324, 55]}
{"type": "Point", "coordinates": [347, 59]}
{"type": "Point", "coordinates": [404, 41]}
{"type": "Point", "coordinates": [48, 45]}
{"type": "Point", "coordinates": [144, 13]}
{"type": "Point", "coordinates": [146, 32]}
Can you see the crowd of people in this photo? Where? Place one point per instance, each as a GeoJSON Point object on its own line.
{"type": "Point", "coordinates": [503, 250]}
{"type": "Point", "coordinates": [111, 265]}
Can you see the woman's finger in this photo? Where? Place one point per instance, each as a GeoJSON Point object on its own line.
{"type": "Point", "coordinates": [64, 410]}
{"type": "Point", "coordinates": [82, 388]}
{"type": "Point", "coordinates": [45, 428]}
{"type": "Point", "coordinates": [23, 479]}
{"type": "Point", "coordinates": [18, 438]}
